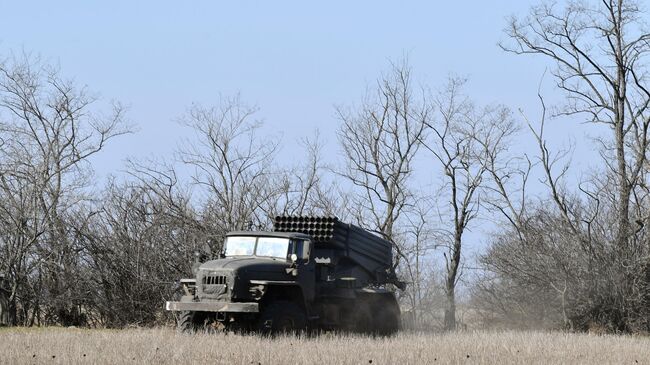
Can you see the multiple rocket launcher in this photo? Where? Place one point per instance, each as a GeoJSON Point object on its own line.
{"type": "Point", "coordinates": [340, 241]}
{"type": "Point", "coordinates": [321, 229]}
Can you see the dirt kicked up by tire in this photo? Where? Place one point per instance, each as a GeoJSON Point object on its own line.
{"type": "Point", "coordinates": [377, 316]}
{"type": "Point", "coordinates": [387, 316]}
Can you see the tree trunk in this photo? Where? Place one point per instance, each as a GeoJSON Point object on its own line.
{"type": "Point", "coordinates": [619, 93]}
{"type": "Point", "coordinates": [450, 287]}
{"type": "Point", "coordinates": [450, 311]}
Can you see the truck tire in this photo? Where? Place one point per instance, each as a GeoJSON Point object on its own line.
{"type": "Point", "coordinates": [191, 322]}
{"type": "Point", "coordinates": [282, 317]}
{"type": "Point", "coordinates": [363, 321]}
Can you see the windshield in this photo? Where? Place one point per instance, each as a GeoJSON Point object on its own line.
{"type": "Point", "coordinates": [273, 247]}
{"type": "Point", "coordinates": [240, 246]}
{"type": "Point", "coordinates": [260, 246]}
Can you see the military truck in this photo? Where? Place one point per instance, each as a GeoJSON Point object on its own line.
{"type": "Point", "coordinates": [310, 273]}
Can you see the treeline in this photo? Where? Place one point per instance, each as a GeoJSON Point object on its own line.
{"type": "Point", "coordinates": [575, 254]}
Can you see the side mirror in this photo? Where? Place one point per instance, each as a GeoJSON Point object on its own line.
{"type": "Point", "coordinates": [197, 261]}
{"type": "Point", "coordinates": [293, 269]}
{"type": "Point", "coordinates": [198, 256]}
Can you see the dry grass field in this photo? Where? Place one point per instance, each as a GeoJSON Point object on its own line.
{"type": "Point", "coordinates": [165, 346]}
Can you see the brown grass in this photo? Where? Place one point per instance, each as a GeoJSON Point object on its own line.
{"type": "Point", "coordinates": [165, 346]}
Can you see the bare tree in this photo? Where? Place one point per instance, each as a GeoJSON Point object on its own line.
{"type": "Point", "coordinates": [564, 265]}
{"type": "Point", "coordinates": [417, 262]}
{"type": "Point", "coordinates": [380, 141]}
{"type": "Point", "coordinates": [136, 241]}
{"type": "Point", "coordinates": [303, 189]}
{"type": "Point", "coordinates": [48, 131]}
{"type": "Point", "coordinates": [232, 165]}
{"type": "Point", "coordinates": [463, 141]}
{"type": "Point", "coordinates": [583, 253]}
{"type": "Point", "coordinates": [599, 52]}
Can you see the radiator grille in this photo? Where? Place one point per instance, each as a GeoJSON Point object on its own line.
{"type": "Point", "coordinates": [214, 280]}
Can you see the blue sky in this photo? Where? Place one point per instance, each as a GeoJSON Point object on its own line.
{"type": "Point", "coordinates": [295, 60]}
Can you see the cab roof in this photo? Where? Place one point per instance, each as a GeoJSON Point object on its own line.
{"type": "Point", "coordinates": [270, 234]}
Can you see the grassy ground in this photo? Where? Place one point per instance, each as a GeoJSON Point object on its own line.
{"type": "Point", "coordinates": [165, 346]}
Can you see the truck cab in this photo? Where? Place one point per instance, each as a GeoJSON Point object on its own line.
{"type": "Point", "coordinates": [259, 277]}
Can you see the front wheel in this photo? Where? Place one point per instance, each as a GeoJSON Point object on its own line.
{"type": "Point", "coordinates": [282, 317]}
{"type": "Point", "coordinates": [191, 322]}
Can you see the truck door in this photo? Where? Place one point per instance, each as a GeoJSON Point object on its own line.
{"type": "Point", "coordinates": [306, 269]}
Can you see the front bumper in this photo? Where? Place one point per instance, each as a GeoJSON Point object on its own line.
{"type": "Point", "coordinates": [213, 307]}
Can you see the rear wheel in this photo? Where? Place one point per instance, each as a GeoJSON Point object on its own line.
{"type": "Point", "coordinates": [387, 315]}
{"type": "Point", "coordinates": [282, 317]}
{"type": "Point", "coordinates": [363, 321]}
